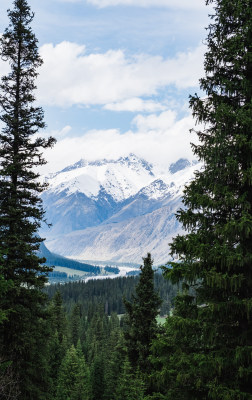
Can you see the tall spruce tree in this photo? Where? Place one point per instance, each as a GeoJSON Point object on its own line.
{"type": "Point", "coordinates": [129, 386]}
{"type": "Point", "coordinates": [21, 211]}
{"type": "Point", "coordinates": [73, 381]}
{"type": "Point", "coordinates": [215, 256]}
{"type": "Point", "coordinates": [141, 313]}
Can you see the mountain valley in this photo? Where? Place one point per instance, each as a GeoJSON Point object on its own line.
{"type": "Point", "coordinates": [114, 210]}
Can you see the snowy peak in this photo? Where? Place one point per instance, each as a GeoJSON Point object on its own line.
{"type": "Point", "coordinates": [156, 190]}
{"type": "Point", "coordinates": [137, 163]}
{"type": "Point", "coordinates": [120, 178]}
{"type": "Point", "coordinates": [132, 161]}
{"type": "Point", "coordinates": [79, 164]}
{"type": "Point", "coordinates": [181, 164]}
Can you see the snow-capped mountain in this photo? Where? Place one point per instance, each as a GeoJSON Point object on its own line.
{"type": "Point", "coordinates": [114, 210]}
{"type": "Point", "coordinates": [120, 179]}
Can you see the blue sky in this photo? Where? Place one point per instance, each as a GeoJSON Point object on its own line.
{"type": "Point", "coordinates": [117, 75]}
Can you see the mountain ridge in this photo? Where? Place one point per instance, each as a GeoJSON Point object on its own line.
{"type": "Point", "coordinates": [114, 210]}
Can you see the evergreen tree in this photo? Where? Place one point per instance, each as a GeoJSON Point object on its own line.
{"type": "Point", "coordinates": [97, 380]}
{"type": "Point", "coordinates": [5, 285]}
{"type": "Point", "coordinates": [73, 382]}
{"type": "Point", "coordinates": [175, 357]}
{"type": "Point", "coordinates": [96, 335]}
{"type": "Point", "coordinates": [20, 207]}
{"type": "Point", "coordinates": [57, 351]}
{"type": "Point", "coordinates": [129, 386]}
{"type": "Point", "coordinates": [141, 313]}
{"type": "Point", "coordinates": [58, 318]}
{"type": "Point", "coordinates": [115, 354]}
{"type": "Point", "coordinates": [75, 324]}
{"type": "Point", "coordinates": [58, 342]}
{"type": "Point", "coordinates": [215, 256]}
{"type": "Point", "coordinates": [84, 382]}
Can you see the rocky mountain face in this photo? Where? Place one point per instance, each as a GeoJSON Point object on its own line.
{"type": "Point", "coordinates": [114, 210]}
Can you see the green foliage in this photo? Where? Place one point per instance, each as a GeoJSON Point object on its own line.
{"type": "Point", "coordinates": [58, 342]}
{"type": "Point", "coordinates": [206, 350]}
{"type": "Point", "coordinates": [8, 383]}
{"type": "Point", "coordinates": [5, 285]}
{"type": "Point", "coordinates": [73, 381]}
{"type": "Point", "coordinates": [97, 378]}
{"type": "Point", "coordinates": [58, 318]}
{"type": "Point", "coordinates": [75, 324]}
{"type": "Point", "coordinates": [22, 275]}
{"type": "Point", "coordinates": [101, 343]}
{"type": "Point", "coordinates": [115, 355]}
{"type": "Point", "coordinates": [129, 386]}
{"type": "Point", "coordinates": [110, 293]}
{"type": "Point", "coordinates": [175, 353]}
{"type": "Point", "coordinates": [141, 324]}
{"type": "Point", "coordinates": [97, 336]}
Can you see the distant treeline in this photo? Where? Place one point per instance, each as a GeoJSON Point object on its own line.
{"type": "Point", "coordinates": [55, 260]}
{"type": "Point", "coordinates": [112, 270]}
{"type": "Point", "coordinates": [57, 274]}
{"type": "Point", "coordinates": [110, 293]}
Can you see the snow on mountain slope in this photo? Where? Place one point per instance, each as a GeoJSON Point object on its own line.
{"type": "Point", "coordinates": [121, 179]}
{"type": "Point", "coordinates": [114, 209]}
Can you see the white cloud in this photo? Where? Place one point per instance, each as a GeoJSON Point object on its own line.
{"type": "Point", "coordinates": [136, 104]}
{"type": "Point", "coordinates": [158, 138]}
{"type": "Point", "coordinates": [193, 4]}
{"type": "Point", "coordinates": [59, 134]}
{"type": "Point", "coordinates": [71, 76]}
{"type": "Point", "coordinates": [161, 122]}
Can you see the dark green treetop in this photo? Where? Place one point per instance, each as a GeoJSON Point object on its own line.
{"type": "Point", "coordinates": [21, 211]}
{"type": "Point", "coordinates": [141, 313]}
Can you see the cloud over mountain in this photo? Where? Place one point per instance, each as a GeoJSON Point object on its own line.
{"type": "Point", "coordinates": [157, 137]}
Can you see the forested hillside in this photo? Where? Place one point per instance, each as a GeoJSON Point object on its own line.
{"type": "Point", "coordinates": [108, 294]}
{"type": "Point", "coordinates": [53, 260]}
{"type": "Point", "coordinates": [88, 345]}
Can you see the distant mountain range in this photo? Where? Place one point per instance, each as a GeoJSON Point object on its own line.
{"type": "Point", "coordinates": [114, 210]}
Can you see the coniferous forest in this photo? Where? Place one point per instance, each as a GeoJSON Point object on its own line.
{"type": "Point", "coordinates": [103, 340]}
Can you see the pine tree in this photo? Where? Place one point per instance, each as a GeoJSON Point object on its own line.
{"type": "Point", "coordinates": [96, 334]}
{"type": "Point", "coordinates": [215, 256]}
{"type": "Point", "coordinates": [115, 354]}
{"type": "Point", "coordinates": [58, 342]}
{"type": "Point", "coordinates": [75, 324]}
{"type": "Point", "coordinates": [58, 319]}
{"type": "Point", "coordinates": [20, 207]}
{"type": "Point", "coordinates": [141, 313]}
{"type": "Point", "coordinates": [97, 379]}
{"type": "Point", "coordinates": [175, 373]}
{"type": "Point", "coordinates": [73, 382]}
{"type": "Point", "coordinates": [129, 386]}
